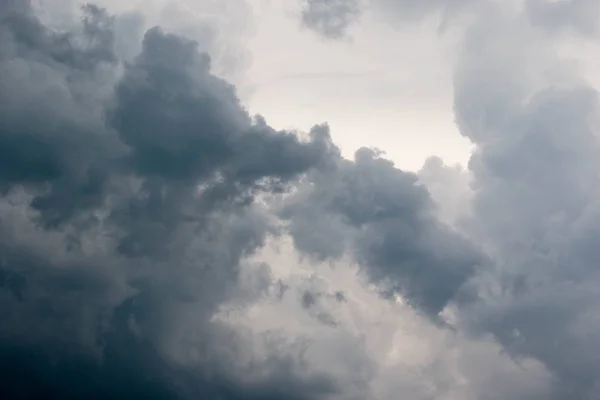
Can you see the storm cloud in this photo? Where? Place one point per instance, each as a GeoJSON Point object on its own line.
{"type": "Point", "coordinates": [385, 218]}
{"type": "Point", "coordinates": [532, 195]}
{"type": "Point", "coordinates": [158, 241]}
{"type": "Point", "coordinates": [127, 206]}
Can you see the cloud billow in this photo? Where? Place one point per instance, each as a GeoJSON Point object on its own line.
{"type": "Point", "coordinates": [127, 206]}
{"type": "Point", "coordinates": [135, 191]}
{"type": "Point", "coordinates": [385, 219]}
{"type": "Point", "coordinates": [533, 119]}
{"type": "Point", "coordinates": [535, 172]}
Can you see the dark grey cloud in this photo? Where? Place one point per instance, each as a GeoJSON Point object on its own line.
{"type": "Point", "coordinates": [331, 18]}
{"type": "Point", "coordinates": [315, 302]}
{"type": "Point", "coordinates": [127, 205]}
{"type": "Point", "coordinates": [384, 218]}
{"type": "Point", "coordinates": [129, 194]}
{"type": "Point", "coordinates": [131, 368]}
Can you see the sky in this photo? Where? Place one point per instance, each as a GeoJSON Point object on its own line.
{"type": "Point", "coordinates": [300, 199]}
{"type": "Point", "coordinates": [380, 87]}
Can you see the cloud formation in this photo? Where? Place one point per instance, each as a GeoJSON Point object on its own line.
{"type": "Point", "coordinates": [127, 205]}
{"type": "Point", "coordinates": [384, 218]}
{"type": "Point", "coordinates": [533, 119]}
{"type": "Point", "coordinates": [157, 241]}
{"type": "Point", "coordinates": [534, 122]}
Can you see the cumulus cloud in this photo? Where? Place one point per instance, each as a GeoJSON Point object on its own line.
{"type": "Point", "coordinates": [533, 119]}
{"type": "Point", "coordinates": [128, 203]}
{"type": "Point", "coordinates": [157, 241]}
{"type": "Point", "coordinates": [534, 173]}
{"type": "Point", "coordinates": [220, 28]}
{"type": "Point", "coordinates": [386, 220]}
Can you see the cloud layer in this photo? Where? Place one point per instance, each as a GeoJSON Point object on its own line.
{"type": "Point", "coordinates": [128, 193]}
{"type": "Point", "coordinates": [157, 241]}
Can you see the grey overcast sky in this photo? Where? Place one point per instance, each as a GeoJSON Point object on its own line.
{"type": "Point", "coordinates": [300, 199]}
{"type": "Point", "coordinates": [381, 87]}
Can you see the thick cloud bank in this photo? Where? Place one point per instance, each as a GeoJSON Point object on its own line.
{"type": "Point", "coordinates": [127, 204]}
{"type": "Point", "coordinates": [157, 241]}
